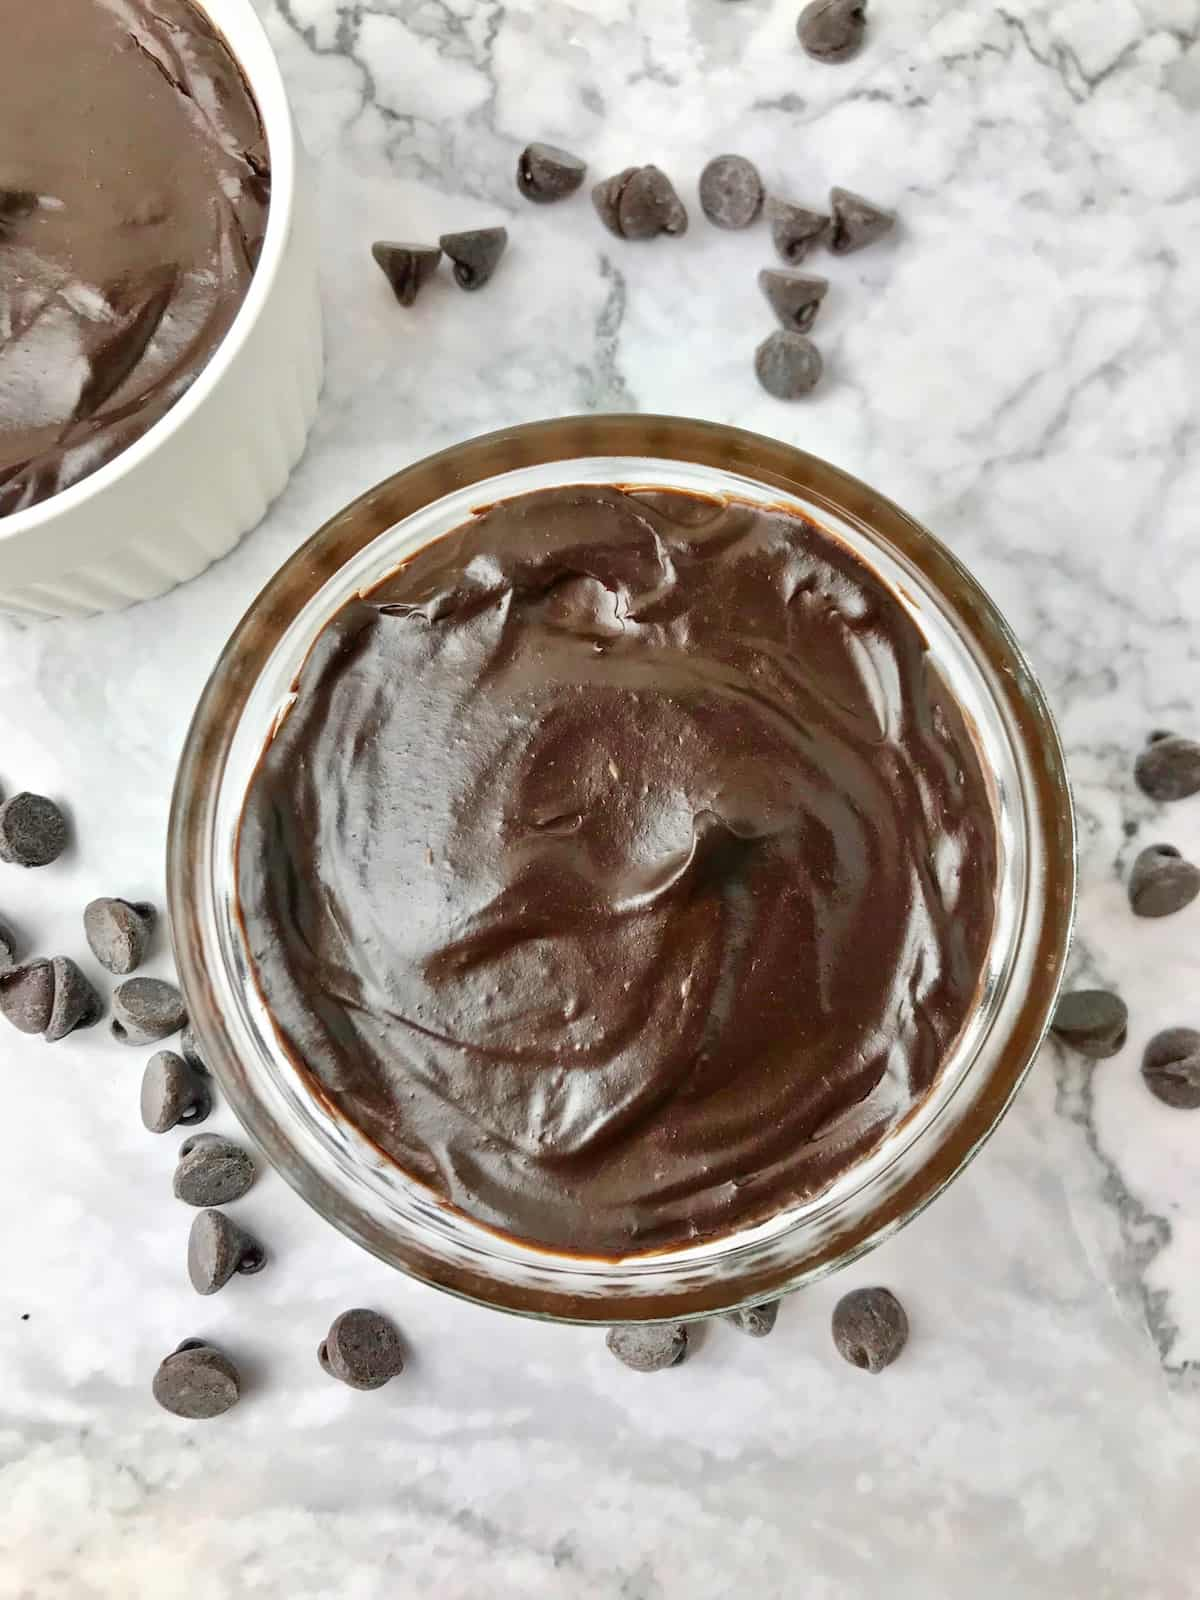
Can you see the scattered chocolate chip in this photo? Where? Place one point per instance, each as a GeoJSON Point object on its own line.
{"type": "Point", "coordinates": [146, 1010]}
{"type": "Point", "coordinates": [1171, 1068]}
{"type": "Point", "coordinates": [49, 997]}
{"type": "Point", "coordinates": [212, 1171]}
{"type": "Point", "coordinates": [856, 222]}
{"type": "Point", "coordinates": [1169, 767]}
{"type": "Point", "coordinates": [8, 948]}
{"type": "Point", "coordinates": [832, 30]}
{"type": "Point", "coordinates": [757, 1321]}
{"type": "Point", "coordinates": [795, 230]}
{"type": "Point", "coordinates": [118, 932]}
{"type": "Point", "coordinates": [1092, 1021]}
{"type": "Point", "coordinates": [731, 192]}
{"type": "Point", "coordinates": [787, 364]}
{"type": "Point", "coordinates": [75, 1004]}
{"type": "Point", "coordinates": [196, 1380]}
{"type": "Point", "coordinates": [33, 831]}
{"type": "Point", "coordinates": [546, 173]}
{"type": "Point", "coordinates": [407, 267]}
{"type": "Point", "coordinates": [640, 203]}
{"type": "Point", "coordinates": [189, 1049]}
{"type": "Point", "coordinates": [474, 254]}
{"type": "Point", "coordinates": [362, 1349]}
{"type": "Point", "coordinates": [794, 297]}
{"type": "Point", "coordinates": [217, 1248]}
{"type": "Point", "coordinates": [649, 1346]}
{"type": "Point", "coordinates": [870, 1328]}
{"type": "Point", "coordinates": [173, 1091]}
{"type": "Point", "coordinates": [27, 995]}
{"type": "Point", "coordinates": [1162, 882]}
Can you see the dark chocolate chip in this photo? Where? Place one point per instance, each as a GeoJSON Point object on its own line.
{"type": "Point", "coordinates": [794, 297]}
{"type": "Point", "coordinates": [362, 1349]}
{"type": "Point", "coordinates": [407, 267]}
{"type": "Point", "coordinates": [787, 364]}
{"type": "Point", "coordinates": [75, 1004]}
{"type": "Point", "coordinates": [1169, 767]}
{"type": "Point", "coordinates": [173, 1091]}
{"type": "Point", "coordinates": [757, 1321]}
{"type": "Point", "coordinates": [856, 222]}
{"type": "Point", "coordinates": [217, 1248]}
{"type": "Point", "coordinates": [118, 932]}
{"type": "Point", "coordinates": [605, 198]}
{"type": "Point", "coordinates": [731, 192]}
{"type": "Point", "coordinates": [648, 206]}
{"type": "Point", "coordinates": [870, 1328]}
{"type": "Point", "coordinates": [1092, 1021]}
{"type": "Point", "coordinates": [795, 230]}
{"type": "Point", "coordinates": [189, 1049]}
{"type": "Point", "coordinates": [15, 206]}
{"type": "Point", "coordinates": [649, 1346]}
{"type": "Point", "coordinates": [545, 173]}
{"type": "Point", "coordinates": [9, 946]}
{"type": "Point", "coordinates": [212, 1171]}
{"type": "Point", "coordinates": [27, 995]}
{"type": "Point", "coordinates": [832, 30]}
{"type": "Point", "coordinates": [1162, 882]}
{"type": "Point", "coordinates": [1171, 1068]}
{"type": "Point", "coordinates": [146, 1010]}
{"type": "Point", "coordinates": [196, 1381]}
{"type": "Point", "coordinates": [474, 254]}
{"type": "Point", "coordinates": [33, 831]}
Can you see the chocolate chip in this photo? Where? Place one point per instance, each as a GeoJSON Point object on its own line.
{"type": "Point", "coordinates": [1092, 1021]}
{"type": "Point", "coordinates": [795, 230]}
{"type": "Point", "coordinates": [856, 222]}
{"type": "Point", "coordinates": [33, 831]}
{"type": "Point", "coordinates": [757, 1321]}
{"type": "Point", "coordinates": [27, 995]}
{"type": "Point", "coordinates": [1169, 767]}
{"type": "Point", "coordinates": [1162, 882]}
{"type": "Point", "coordinates": [407, 267]}
{"type": "Point", "coordinates": [118, 932]}
{"type": "Point", "coordinates": [649, 1346]}
{"type": "Point", "coordinates": [49, 997]}
{"type": "Point", "coordinates": [173, 1091]}
{"type": "Point", "coordinates": [731, 192]}
{"type": "Point", "coordinates": [1171, 1068]}
{"type": "Point", "coordinates": [787, 364]}
{"type": "Point", "coordinates": [794, 297]}
{"type": "Point", "coordinates": [15, 206]}
{"type": "Point", "coordinates": [212, 1171]}
{"type": "Point", "coordinates": [639, 203]}
{"type": "Point", "coordinates": [474, 254]}
{"type": "Point", "coordinates": [146, 1010]}
{"type": "Point", "coordinates": [9, 946]}
{"type": "Point", "coordinates": [546, 173]}
{"type": "Point", "coordinates": [196, 1380]}
{"type": "Point", "coordinates": [217, 1248]}
{"type": "Point", "coordinates": [189, 1049]}
{"type": "Point", "coordinates": [75, 1004]}
{"type": "Point", "coordinates": [362, 1349]}
{"type": "Point", "coordinates": [832, 30]}
{"type": "Point", "coordinates": [870, 1328]}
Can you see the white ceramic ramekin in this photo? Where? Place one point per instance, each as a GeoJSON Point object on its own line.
{"type": "Point", "coordinates": [193, 484]}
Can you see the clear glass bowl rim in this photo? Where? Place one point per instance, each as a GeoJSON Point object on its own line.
{"type": "Point", "coordinates": [736, 1270]}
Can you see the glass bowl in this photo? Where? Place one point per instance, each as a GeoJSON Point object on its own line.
{"type": "Point", "coordinates": [334, 1167]}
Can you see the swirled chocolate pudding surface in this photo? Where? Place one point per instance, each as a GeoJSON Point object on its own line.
{"type": "Point", "coordinates": [623, 869]}
{"type": "Point", "coordinates": [133, 200]}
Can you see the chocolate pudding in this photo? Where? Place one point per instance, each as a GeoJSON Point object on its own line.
{"type": "Point", "coordinates": [623, 869]}
{"type": "Point", "coordinates": [133, 199]}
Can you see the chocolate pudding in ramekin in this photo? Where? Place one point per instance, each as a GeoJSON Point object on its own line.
{"type": "Point", "coordinates": [621, 868]}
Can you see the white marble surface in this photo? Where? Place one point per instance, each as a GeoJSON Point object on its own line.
{"type": "Point", "coordinates": [1019, 368]}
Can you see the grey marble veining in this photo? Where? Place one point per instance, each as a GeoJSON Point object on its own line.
{"type": "Point", "coordinates": [1018, 367]}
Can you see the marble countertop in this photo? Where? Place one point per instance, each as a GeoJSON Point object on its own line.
{"type": "Point", "coordinates": [1018, 368]}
